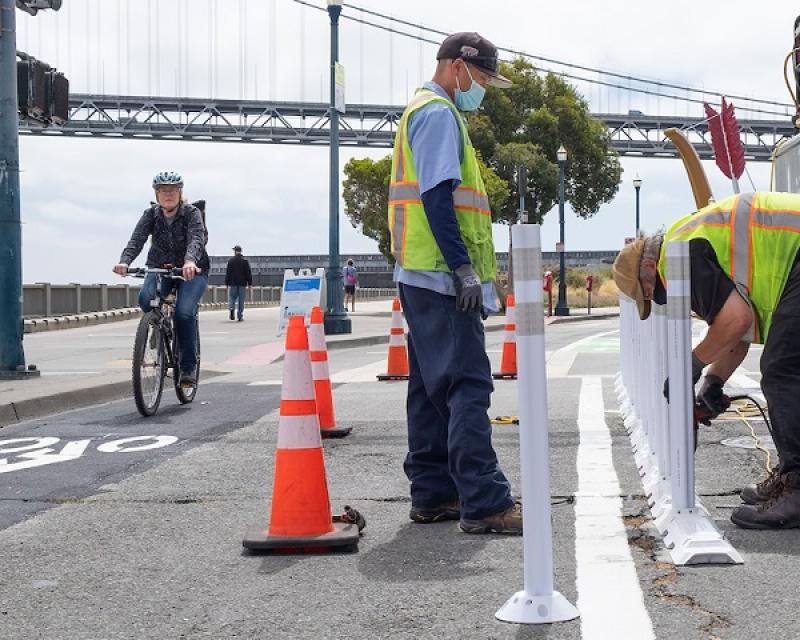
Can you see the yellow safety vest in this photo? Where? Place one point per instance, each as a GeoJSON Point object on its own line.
{"type": "Point", "coordinates": [412, 242]}
{"type": "Point", "coordinates": [755, 237]}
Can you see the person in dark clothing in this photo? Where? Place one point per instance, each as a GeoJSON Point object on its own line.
{"type": "Point", "coordinates": [745, 283]}
{"type": "Point", "coordinates": [177, 239]}
{"type": "Point", "coordinates": [237, 278]}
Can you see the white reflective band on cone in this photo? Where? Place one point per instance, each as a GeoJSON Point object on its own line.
{"type": "Point", "coordinates": [299, 432]}
{"type": "Point", "coordinates": [297, 381]}
{"type": "Point", "coordinates": [319, 370]}
{"type": "Point", "coordinates": [316, 338]}
{"type": "Point", "coordinates": [396, 340]}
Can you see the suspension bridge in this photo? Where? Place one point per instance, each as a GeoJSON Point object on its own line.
{"type": "Point", "coordinates": [197, 106]}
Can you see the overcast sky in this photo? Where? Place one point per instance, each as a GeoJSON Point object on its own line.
{"type": "Point", "coordinates": [81, 198]}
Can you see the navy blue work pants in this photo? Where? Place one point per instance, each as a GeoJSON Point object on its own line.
{"type": "Point", "coordinates": [450, 451]}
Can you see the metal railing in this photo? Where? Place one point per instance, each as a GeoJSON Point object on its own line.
{"type": "Point", "coordinates": [46, 300]}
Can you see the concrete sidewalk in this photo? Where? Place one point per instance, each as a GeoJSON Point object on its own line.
{"type": "Point", "coordinates": [92, 364]}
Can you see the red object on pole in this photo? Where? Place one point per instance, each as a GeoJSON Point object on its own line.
{"type": "Point", "coordinates": [547, 285]}
{"type": "Point", "coordinates": [726, 140]}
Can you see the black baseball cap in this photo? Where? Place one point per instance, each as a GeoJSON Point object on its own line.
{"type": "Point", "coordinates": [237, 248]}
{"type": "Point", "coordinates": [475, 49]}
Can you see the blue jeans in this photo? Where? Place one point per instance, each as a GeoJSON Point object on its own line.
{"type": "Point", "coordinates": [450, 451]}
{"type": "Point", "coordinates": [189, 295]}
{"type": "Point", "coordinates": [235, 293]}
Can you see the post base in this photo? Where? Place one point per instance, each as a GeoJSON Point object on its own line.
{"type": "Point", "coordinates": [337, 324]}
{"type": "Point", "coordinates": [20, 374]}
{"type": "Point", "coordinates": [562, 311]}
{"type": "Point", "coordinates": [692, 538]}
{"type": "Point", "coordinates": [527, 609]}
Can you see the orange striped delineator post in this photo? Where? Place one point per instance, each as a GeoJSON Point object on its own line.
{"type": "Point", "coordinates": [508, 365]}
{"type": "Point", "coordinates": [301, 517]}
{"type": "Point", "coordinates": [322, 379]}
{"type": "Point", "coordinates": [397, 367]}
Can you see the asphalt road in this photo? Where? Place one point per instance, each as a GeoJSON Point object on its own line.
{"type": "Point", "coordinates": [120, 544]}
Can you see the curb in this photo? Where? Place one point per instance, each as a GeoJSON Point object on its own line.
{"type": "Point", "coordinates": [14, 412]}
{"type": "Point", "coordinates": [582, 318]}
{"type": "Point", "coordinates": [56, 323]}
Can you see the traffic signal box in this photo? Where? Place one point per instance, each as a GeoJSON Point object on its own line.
{"type": "Point", "coordinates": [42, 92]}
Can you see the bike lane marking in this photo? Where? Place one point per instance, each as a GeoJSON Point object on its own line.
{"type": "Point", "coordinates": [607, 582]}
{"type": "Point", "coordinates": [40, 452]}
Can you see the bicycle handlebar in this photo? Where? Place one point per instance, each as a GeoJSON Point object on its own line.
{"type": "Point", "coordinates": [141, 272]}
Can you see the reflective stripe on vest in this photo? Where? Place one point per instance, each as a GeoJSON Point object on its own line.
{"type": "Point", "coordinates": [412, 241]}
{"type": "Point", "coordinates": [756, 238]}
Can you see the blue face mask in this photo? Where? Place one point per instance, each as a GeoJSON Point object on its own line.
{"type": "Point", "coordinates": [471, 99]}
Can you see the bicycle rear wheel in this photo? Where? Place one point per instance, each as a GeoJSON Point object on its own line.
{"type": "Point", "coordinates": [149, 366]}
{"type": "Point", "coordinates": [186, 394]}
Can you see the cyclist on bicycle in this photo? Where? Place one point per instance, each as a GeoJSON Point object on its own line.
{"type": "Point", "coordinates": [177, 240]}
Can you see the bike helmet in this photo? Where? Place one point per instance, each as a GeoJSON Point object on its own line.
{"type": "Point", "coordinates": [167, 177]}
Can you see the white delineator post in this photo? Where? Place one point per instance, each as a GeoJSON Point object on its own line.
{"type": "Point", "coordinates": [689, 532]}
{"type": "Point", "coordinates": [537, 603]}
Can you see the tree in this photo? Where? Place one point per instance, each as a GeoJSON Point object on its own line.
{"type": "Point", "coordinates": [366, 199]}
{"type": "Point", "coordinates": [525, 125]}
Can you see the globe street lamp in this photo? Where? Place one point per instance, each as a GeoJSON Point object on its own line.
{"type": "Point", "coordinates": [637, 184]}
{"type": "Point", "coordinates": [336, 320]}
{"type": "Point", "coordinates": [561, 307]}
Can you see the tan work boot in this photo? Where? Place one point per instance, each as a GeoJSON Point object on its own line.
{"type": "Point", "coordinates": [448, 511]}
{"type": "Point", "coordinates": [508, 521]}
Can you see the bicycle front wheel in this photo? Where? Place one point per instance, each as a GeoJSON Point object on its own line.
{"type": "Point", "coordinates": [149, 365]}
{"type": "Point", "coordinates": [186, 394]}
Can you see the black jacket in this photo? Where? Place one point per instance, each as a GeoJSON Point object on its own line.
{"type": "Point", "coordinates": [238, 272]}
{"type": "Point", "coordinates": [171, 244]}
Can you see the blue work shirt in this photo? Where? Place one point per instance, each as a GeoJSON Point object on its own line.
{"type": "Point", "coordinates": [438, 149]}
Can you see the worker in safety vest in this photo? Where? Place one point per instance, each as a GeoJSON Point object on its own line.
{"type": "Point", "coordinates": [745, 283]}
{"type": "Point", "coordinates": [441, 238]}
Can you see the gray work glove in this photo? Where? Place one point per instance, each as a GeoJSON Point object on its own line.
{"type": "Point", "coordinates": [469, 295]}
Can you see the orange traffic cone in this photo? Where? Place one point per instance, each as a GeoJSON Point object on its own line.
{"type": "Point", "coordinates": [322, 378]}
{"type": "Point", "coordinates": [508, 365]}
{"type": "Point", "coordinates": [397, 368]}
{"type": "Point", "coordinates": [301, 516]}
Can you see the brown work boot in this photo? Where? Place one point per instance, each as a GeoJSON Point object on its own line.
{"type": "Point", "coordinates": [508, 521]}
{"type": "Point", "coordinates": [761, 492]}
{"type": "Point", "coordinates": [448, 511]}
{"type": "Point", "coordinates": [780, 511]}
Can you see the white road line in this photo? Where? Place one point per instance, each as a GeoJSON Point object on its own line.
{"type": "Point", "coordinates": [609, 593]}
{"type": "Point", "coordinates": [367, 373]}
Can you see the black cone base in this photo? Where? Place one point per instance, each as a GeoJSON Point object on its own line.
{"type": "Point", "coordinates": [343, 537]}
{"type": "Point", "coordinates": [386, 376]}
{"type": "Point", "coordinates": [504, 376]}
{"type": "Point", "coordinates": [335, 432]}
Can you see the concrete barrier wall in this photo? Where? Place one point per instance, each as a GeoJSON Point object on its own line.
{"type": "Point", "coordinates": [48, 306]}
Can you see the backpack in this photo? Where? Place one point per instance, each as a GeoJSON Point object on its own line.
{"type": "Point", "coordinates": [350, 276]}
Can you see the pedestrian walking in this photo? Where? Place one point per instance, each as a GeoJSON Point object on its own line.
{"type": "Point", "coordinates": [441, 238]}
{"type": "Point", "coordinates": [237, 278]}
{"type": "Point", "coordinates": [350, 274]}
{"type": "Point", "coordinates": [745, 283]}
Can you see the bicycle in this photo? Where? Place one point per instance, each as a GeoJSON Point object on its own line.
{"type": "Point", "coordinates": [156, 351]}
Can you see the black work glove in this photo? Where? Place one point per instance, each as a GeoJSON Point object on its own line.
{"type": "Point", "coordinates": [712, 396]}
{"type": "Point", "coordinates": [469, 295]}
{"type": "Point", "coordinates": [697, 370]}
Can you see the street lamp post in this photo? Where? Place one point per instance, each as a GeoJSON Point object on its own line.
{"type": "Point", "coordinates": [637, 184]}
{"type": "Point", "coordinates": [12, 356]}
{"type": "Point", "coordinates": [561, 307]}
{"type": "Point", "coordinates": [336, 320]}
